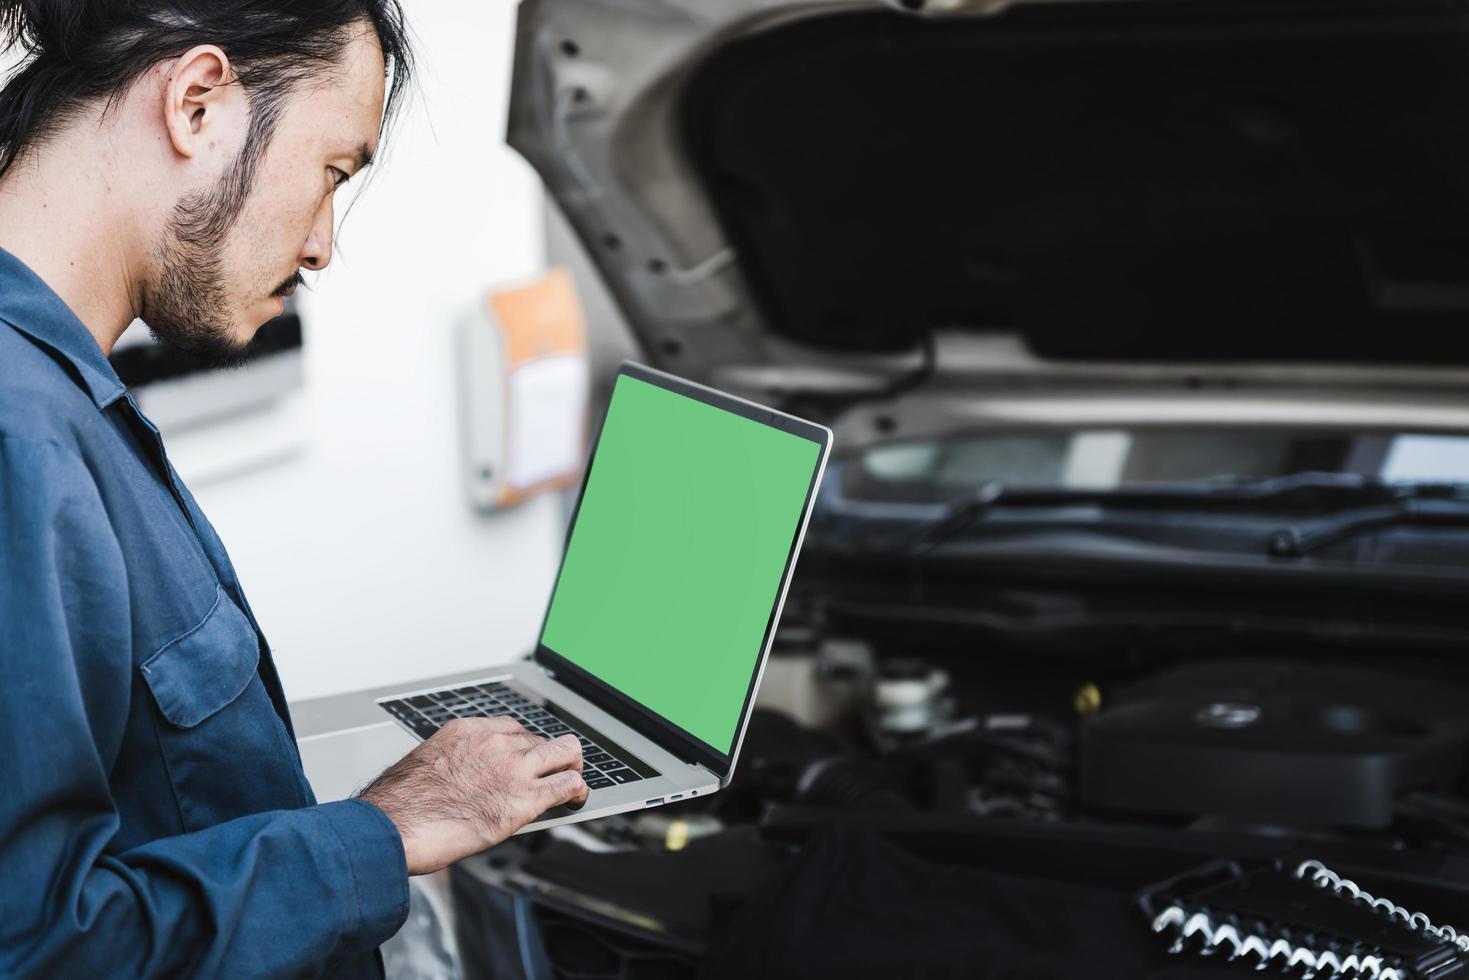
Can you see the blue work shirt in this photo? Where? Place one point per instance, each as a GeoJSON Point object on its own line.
{"type": "Point", "coordinates": [154, 816]}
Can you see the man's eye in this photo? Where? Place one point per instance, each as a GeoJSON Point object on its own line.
{"type": "Point", "coordinates": [339, 177]}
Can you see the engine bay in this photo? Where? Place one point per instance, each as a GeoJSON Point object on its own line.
{"type": "Point", "coordinates": [1031, 809]}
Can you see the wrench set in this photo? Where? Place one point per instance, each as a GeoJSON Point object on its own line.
{"type": "Point", "coordinates": [1305, 921]}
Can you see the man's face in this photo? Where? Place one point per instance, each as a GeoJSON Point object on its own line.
{"type": "Point", "coordinates": [229, 256]}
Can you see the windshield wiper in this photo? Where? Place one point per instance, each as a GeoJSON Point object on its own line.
{"type": "Point", "coordinates": [1296, 542]}
{"type": "Point", "coordinates": [1335, 490]}
{"type": "Point", "coordinates": [1342, 488]}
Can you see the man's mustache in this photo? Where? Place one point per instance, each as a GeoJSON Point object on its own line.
{"type": "Point", "coordinates": [290, 284]}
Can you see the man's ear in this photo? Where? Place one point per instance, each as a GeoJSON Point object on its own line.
{"type": "Point", "coordinates": [202, 107]}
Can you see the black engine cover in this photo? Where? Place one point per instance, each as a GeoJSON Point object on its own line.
{"type": "Point", "coordinates": [1273, 743]}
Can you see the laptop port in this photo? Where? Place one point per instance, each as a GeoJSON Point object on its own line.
{"type": "Point", "coordinates": [654, 802]}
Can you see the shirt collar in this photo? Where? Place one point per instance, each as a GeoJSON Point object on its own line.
{"type": "Point", "coordinates": [33, 308]}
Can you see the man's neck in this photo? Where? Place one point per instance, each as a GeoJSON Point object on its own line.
{"type": "Point", "coordinates": [61, 218]}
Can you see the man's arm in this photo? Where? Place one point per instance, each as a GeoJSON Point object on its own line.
{"type": "Point", "coordinates": [272, 894]}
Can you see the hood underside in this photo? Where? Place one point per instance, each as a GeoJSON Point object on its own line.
{"type": "Point", "coordinates": [804, 192]}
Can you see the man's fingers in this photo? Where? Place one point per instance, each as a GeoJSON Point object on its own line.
{"type": "Point", "coordinates": [566, 787]}
{"type": "Point", "coordinates": [555, 754]}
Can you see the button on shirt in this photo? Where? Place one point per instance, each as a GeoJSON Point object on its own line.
{"type": "Point", "coordinates": [154, 817]}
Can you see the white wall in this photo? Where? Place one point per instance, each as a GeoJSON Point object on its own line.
{"type": "Point", "coordinates": [357, 551]}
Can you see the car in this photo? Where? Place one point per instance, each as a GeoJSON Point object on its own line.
{"type": "Point", "coordinates": [1131, 617]}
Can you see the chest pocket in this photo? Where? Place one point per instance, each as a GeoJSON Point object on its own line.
{"type": "Point", "coordinates": [226, 750]}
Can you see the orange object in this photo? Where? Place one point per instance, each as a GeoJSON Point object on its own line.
{"type": "Point", "coordinates": [538, 322]}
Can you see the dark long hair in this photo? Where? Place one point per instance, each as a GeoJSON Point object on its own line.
{"type": "Point", "coordinates": [79, 52]}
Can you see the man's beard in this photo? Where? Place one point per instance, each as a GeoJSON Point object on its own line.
{"type": "Point", "coordinates": [188, 307]}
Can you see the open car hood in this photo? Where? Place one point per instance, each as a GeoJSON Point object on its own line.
{"type": "Point", "coordinates": [797, 196]}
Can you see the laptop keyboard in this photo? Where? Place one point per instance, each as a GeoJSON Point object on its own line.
{"type": "Point", "coordinates": [604, 763]}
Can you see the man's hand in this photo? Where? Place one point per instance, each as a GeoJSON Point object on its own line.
{"type": "Point", "coordinates": [473, 784]}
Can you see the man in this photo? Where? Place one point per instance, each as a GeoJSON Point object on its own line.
{"type": "Point", "coordinates": [176, 162]}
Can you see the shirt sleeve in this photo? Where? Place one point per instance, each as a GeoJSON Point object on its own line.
{"type": "Point", "coordinates": [281, 893]}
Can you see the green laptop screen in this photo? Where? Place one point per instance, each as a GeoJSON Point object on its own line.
{"type": "Point", "coordinates": [673, 566]}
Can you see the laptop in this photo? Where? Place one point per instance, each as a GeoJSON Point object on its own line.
{"type": "Point", "coordinates": [677, 560]}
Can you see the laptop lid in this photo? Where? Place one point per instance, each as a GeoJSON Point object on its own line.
{"type": "Point", "coordinates": [678, 557]}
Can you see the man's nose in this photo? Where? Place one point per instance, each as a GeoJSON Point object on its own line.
{"type": "Point", "coordinates": [316, 254]}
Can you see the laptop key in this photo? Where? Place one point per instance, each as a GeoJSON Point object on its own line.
{"type": "Point", "coordinates": [420, 701]}
{"type": "Point", "coordinates": [598, 758]}
{"type": "Point", "coordinates": [599, 782]}
{"type": "Point", "coordinates": [623, 775]}
{"type": "Point", "coordinates": [556, 729]}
